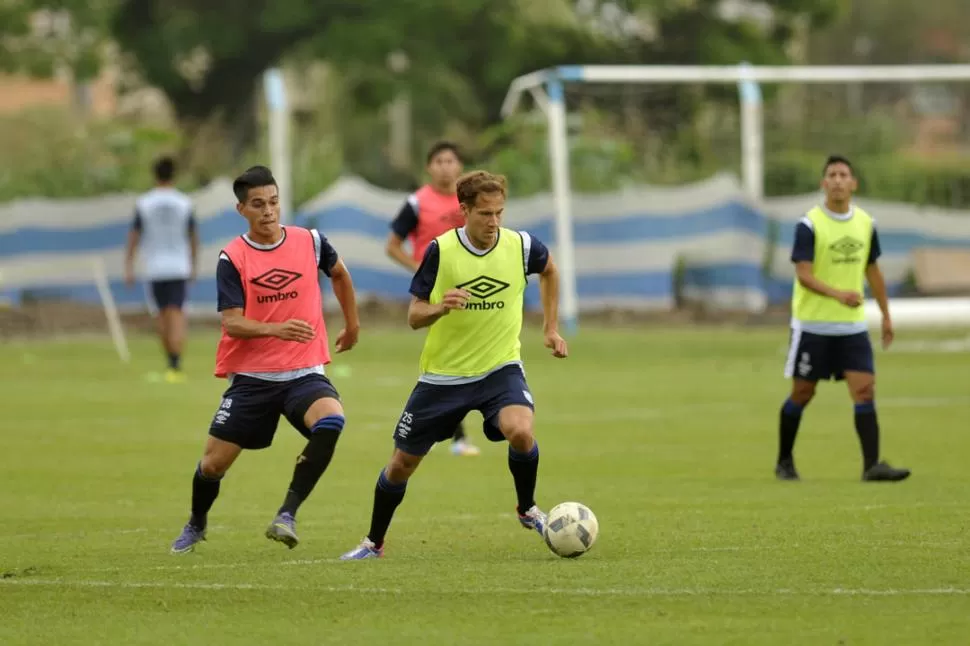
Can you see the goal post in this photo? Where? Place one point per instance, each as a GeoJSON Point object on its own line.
{"type": "Point", "coordinates": [278, 133]}
{"type": "Point", "coordinates": [547, 89]}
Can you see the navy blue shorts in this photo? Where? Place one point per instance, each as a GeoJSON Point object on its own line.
{"type": "Point", "coordinates": [251, 408]}
{"type": "Point", "coordinates": [169, 293]}
{"type": "Point", "coordinates": [432, 411]}
{"type": "Point", "coordinates": [817, 357]}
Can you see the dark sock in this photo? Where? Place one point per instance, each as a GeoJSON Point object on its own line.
{"type": "Point", "coordinates": [790, 418]}
{"type": "Point", "coordinates": [205, 490]}
{"type": "Point", "coordinates": [525, 468]}
{"type": "Point", "coordinates": [387, 496]}
{"type": "Point", "coordinates": [867, 427]}
{"type": "Point", "coordinates": [314, 460]}
{"type": "Point", "coordinates": [459, 433]}
{"type": "Point", "coordinates": [174, 360]}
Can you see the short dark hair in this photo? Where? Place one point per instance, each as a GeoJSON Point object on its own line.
{"type": "Point", "coordinates": [837, 159]}
{"type": "Point", "coordinates": [253, 177]}
{"type": "Point", "coordinates": [164, 169]}
{"type": "Point", "coordinates": [473, 184]}
{"type": "Point", "coordinates": [441, 147]}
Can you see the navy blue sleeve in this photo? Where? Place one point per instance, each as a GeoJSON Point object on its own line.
{"type": "Point", "coordinates": [538, 257]}
{"type": "Point", "coordinates": [328, 255]}
{"type": "Point", "coordinates": [136, 221]}
{"type": "Point", "coordinates": [875, 250]}
{"type": "Point", "coordinates": [803, 250]}
{"type": "Point", "coordinates": [424, 278]}
{"type": "Point", "coordinates": [229, 285]}
{"type": "Point", "coordinates": [191, 224]}
{"type": "Point", "coordinates": [406, 220]}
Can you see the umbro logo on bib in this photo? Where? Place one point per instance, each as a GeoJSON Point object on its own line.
{"type": "Point", "coordinates": [276, 280]}
{"type": "Point", "coordinates": [846, 248]}
{"type": "Point", "coordinates": [483, 286]}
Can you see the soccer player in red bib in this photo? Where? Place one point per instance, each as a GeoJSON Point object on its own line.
{"type": "Point", "coordinates": [427, 213]}
{"type": "Point", "coordinates": [273, 351]}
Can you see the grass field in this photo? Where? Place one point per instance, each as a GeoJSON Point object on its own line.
{"type": "Point", "coordinates": [669, 436]}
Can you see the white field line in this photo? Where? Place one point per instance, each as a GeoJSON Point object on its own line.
{"type": "Point", "coordinates": [484, 590]}
{"type": "Point", "coordinates": [669, 551]}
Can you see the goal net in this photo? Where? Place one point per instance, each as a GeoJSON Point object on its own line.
{"type": "Point", "coordinates": [682, 185]}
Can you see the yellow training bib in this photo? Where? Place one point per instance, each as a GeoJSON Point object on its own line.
{"type": "Point", "coordinates": [484, 335]}
{"type": "Point", "coordinates": [841, 258]}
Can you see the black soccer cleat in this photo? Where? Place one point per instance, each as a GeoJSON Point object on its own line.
{"type": "Point", "coordinates": [785, 470]}
{"type": "Point", "coordinates": [883, 472]}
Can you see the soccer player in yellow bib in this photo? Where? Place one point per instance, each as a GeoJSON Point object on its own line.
{"type": "Point", "coordinates": [469, 292]}
{"type": "Point", "coordinates": [835, 251]}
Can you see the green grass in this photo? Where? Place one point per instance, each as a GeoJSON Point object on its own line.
{"type": "Point", "coordinates": [669, 436]}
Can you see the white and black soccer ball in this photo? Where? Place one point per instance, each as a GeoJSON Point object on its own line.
{"type": "Point", "coordinates": [571, 529]}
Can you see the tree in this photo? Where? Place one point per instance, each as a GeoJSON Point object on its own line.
{"type": "Point", "coordinates": [895, 32]}
{"type": "Point", "coordinates": [463, 54]}
{"type": "Point", "coordinates": [44, 36]}
{"type": "Point", "coordinates": [207, 56]}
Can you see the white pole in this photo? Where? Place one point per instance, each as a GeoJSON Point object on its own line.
{"type": "Point", "coordinates": [752, 136]}
{"type": "Point", "coordinates": [565, 251]}
{"type": "Point", "coordinates": [764, 74]}
{"type": "Point", "coordinates": [279, 138]}
{"type": "Point", "coordinates": [111, 310]}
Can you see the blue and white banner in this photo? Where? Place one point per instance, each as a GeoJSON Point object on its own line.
{"type": "Point", "coordinates": [903, 228]}
{"type": "Point", "coordinates": [636, 248]}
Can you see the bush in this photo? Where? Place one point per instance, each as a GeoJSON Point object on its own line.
{"type": "Point", "coordinates": [51, 153]}
{"type": "Point", "coordinates": [519, 149]}
{"type": "Point", "coordinates": [944, 183]}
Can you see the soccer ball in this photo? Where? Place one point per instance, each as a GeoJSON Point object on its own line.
{"type": "Point", "coordinates": [571, 529]}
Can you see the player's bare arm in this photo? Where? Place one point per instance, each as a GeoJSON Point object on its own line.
{"type": "Point", "coordinates": [237, 326]}
{"type": "Point", "coordinates": [549, 294]}
{"type": "Point", "coordinates": [134, 239]}
{"type": "Point", "coordinates": [877, 284]}
{"type": "Point", "coordinates": [343, 289]}
{"type": "Point", "coordinates": [395, 251]}
{"type": "Point", "coordinates": [806, 276]}
{"type": "Point", "coordinates": [422, 313]}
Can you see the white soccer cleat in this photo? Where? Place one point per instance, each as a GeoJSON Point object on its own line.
{"type": "Point", "coordinates": [534, 519]}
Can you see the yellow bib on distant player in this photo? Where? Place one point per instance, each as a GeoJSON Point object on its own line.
{"type": "Point", "coordinates": [484, 335]}
{"type": "Point", "coordinates": [841, 258]}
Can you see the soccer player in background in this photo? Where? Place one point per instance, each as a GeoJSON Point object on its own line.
{"type": "Point", "coordinates": [427, 213]}
{"type": "Point", "coordinates": [835, 251]}
{"type": "Point", "coordinates": [273, 351]}
{"type": "Point", "coordinates": [164, 232]}
{"type": "Point", "coordinates": [468, 292]}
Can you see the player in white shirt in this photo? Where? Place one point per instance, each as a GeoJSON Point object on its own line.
{"type": "Point", "coordinates": [164, 233]}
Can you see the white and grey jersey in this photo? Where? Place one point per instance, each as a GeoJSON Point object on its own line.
{"type": "Point", "coordinates": [165, 220]}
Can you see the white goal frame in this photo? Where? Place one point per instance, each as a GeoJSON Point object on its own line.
{"type": "Point", "coordinates": [546, 88]}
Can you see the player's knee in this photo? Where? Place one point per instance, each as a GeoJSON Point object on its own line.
{"type": "Point", "coordinates": [802, 392]}
{"type": "Point", "coordinates": [520, 436]}
{"type": "Point", "coordinates": [401, 466]}
{"type": "Point", "coordinates": [864, 393]}
{"type": "Point", "coordinates": [217, 458]}
{"type": "Point", "coordinates": [213, 468]}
